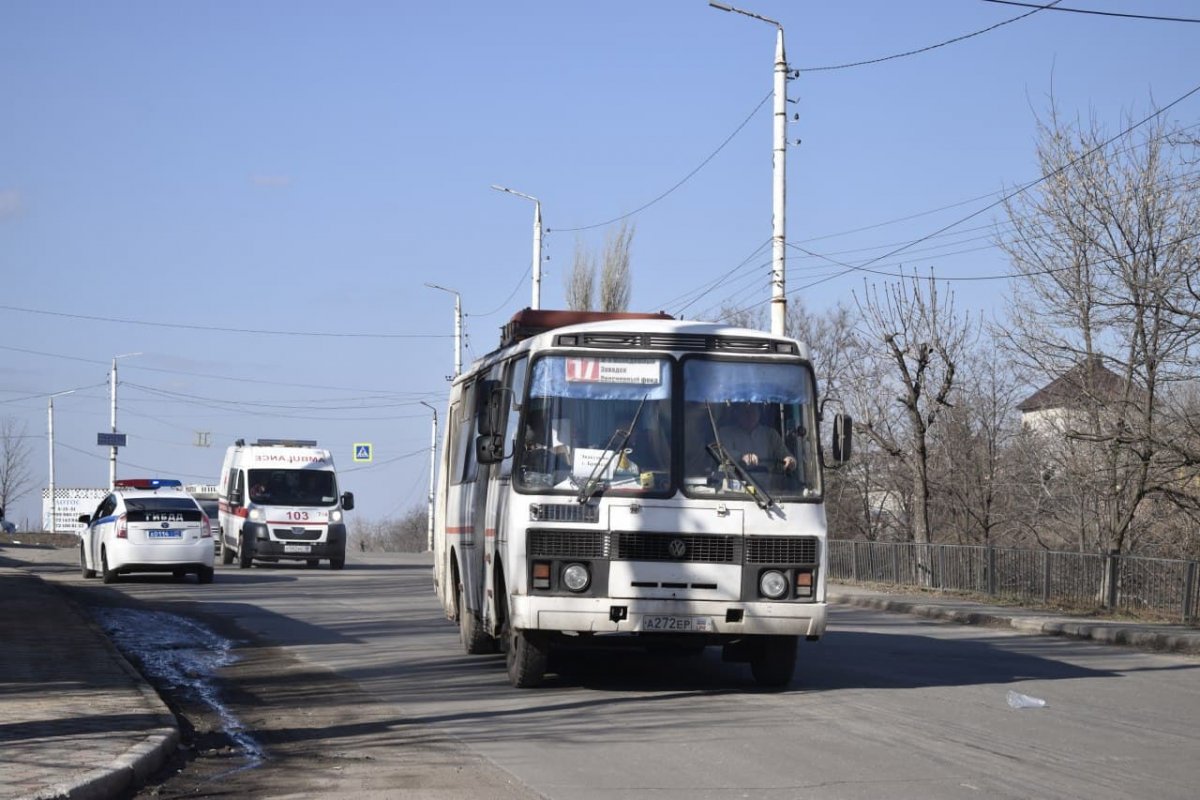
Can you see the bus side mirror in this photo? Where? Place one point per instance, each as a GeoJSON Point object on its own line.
{"type": "Point", "coordinates": [347, 501]}
{"type": "Point", "coordinates": [490, 410]}
{"type": "Point", "coordinates": [489, 448]}
{"type": "Point", "coordinates": [843, 427]}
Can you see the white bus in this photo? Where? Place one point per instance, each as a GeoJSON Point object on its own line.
{"type": "Point", "coordinates": [613, 479]}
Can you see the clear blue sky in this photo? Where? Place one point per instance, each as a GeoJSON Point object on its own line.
{"type": "Point", "coordinates": [214, 168]}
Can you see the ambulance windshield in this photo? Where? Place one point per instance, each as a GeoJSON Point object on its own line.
{"type": "Point", "coordinates": [292, 487]}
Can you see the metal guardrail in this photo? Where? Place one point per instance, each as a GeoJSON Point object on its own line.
{"type": "Point", "coordinates": [1113, 582]}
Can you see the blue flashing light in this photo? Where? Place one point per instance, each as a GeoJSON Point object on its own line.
{"type": "Point", "coordinates": [147, 483]}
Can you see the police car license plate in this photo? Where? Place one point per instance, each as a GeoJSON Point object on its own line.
{"type": "Point", "coordinates": [680, 624]}
{"type": "Point", "coordinates": [167, 534]}
{"type": "Point", "coordinates": [297, 548]}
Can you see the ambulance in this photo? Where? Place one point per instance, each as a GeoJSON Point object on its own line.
{"type": "Point", "coordinates": [278, 500]}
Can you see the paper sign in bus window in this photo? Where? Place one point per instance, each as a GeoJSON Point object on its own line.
{"type": "Point", "coordinates": [613, 370]}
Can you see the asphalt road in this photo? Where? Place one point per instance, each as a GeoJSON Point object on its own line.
{"type": "Point", "coordinates": [885, 706]}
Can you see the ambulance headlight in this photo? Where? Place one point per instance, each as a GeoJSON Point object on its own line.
{"type": "Point", "coordinates": [576, 577]}
{"type": "Point", "coordinates": [335, 515]}
{"type": "Point", "coordinates": [256, 515]}
{"type": "Point", "coordinates": [772, 584]}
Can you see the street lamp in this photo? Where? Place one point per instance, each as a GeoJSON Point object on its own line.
{"type": "Point", "coordinates": [112, 455]}
{"type": "Point", "coordinates": [432, 473]}
{"type": "Point", "coordinates": [537, 242]}
{"type": "Point", "coordinates": [50, 437]}
{"type": "Point", "coordinates": [778, 158]}
{"type": "Point", "coordinates": [457, 327]}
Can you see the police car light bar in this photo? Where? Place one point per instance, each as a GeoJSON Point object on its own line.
{"type": "Point", "coordinates": [287, 442]}
{"type": "Point", "coordinates": [146, 483]}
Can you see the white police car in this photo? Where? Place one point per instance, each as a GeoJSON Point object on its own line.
{"type": "Point", "coordinates": [147, 525]}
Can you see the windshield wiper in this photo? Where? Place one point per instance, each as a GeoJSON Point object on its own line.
{"type": "Point", "coordinates": [717, 450]}
{"type": "Point", "coordinates": [594, 482]}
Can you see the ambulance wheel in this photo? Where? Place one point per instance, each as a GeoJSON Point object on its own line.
{"type": "Point", "coordinates": [245, 557]}
{"type": "Point", "coordinates": [337, 563]}
{"type": "Point", "coordinates": [312, 562]}
{"type": "Point", "coordinates": [226, 553]}
{"type": "Point", "coordinates": [83, 567]}
{"type": "Point", "coordinates": [774, 661]}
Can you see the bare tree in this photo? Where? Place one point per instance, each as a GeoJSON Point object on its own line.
{"type": "Point", "coordinates": [615, 277]}
{"type": "Point", "coordinates": [1103, 251]}
{"type": "Point", "coordinates": [16, 480]}
{"type": "Point", "coordinates": [972, 462]}
{"type": "Point", "coordinates": [916, 343]}
{"type": "Point", "coordinates": [408, 534]}
{"type": "Point", "coordinates": [581, 280]}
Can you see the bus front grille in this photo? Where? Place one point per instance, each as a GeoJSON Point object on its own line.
{"type": "Point", "coordinates": [685, 547]}
{"type": "Point", "coordinates": [781, 550]}
{"type": "Point", "coordinates": [568, 544]}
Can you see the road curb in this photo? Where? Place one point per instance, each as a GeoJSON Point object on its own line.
{"type": "Point", "coordinates": [1114, 633]}
{"type": "Point", "coordinates": [132, 768]}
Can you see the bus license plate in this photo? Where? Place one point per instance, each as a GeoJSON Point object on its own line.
{"type": "Point", "coordinates": [168, 534]}
{"type": "Point", "coordinates": [680, 624]}
{"type": "Point", "coordinates": [297, 548]}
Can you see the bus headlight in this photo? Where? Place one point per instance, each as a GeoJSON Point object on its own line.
{"type": "Point", "coordinates": [576, 577]}
{"type": "Point", "coordinates": [772, 584]}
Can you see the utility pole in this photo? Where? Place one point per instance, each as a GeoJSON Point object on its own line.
{"type": "Point", "coordinates": [50, 436]}
{"type": "Point", "coordinates": [778, 175]}
{"type": "Point", "coordinates": [457, 328]}
{"type": "Point", "coordinates": [537, 243]}
{"type": "Point", "coordinates": [112, 455]}
{"type": "Point", "coordinates": [432, 476]}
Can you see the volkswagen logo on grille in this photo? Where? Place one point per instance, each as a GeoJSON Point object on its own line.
{"type": "Point", "coordinates": [166, 524]}
{"type": "Point", "coordinates": [677, 548]}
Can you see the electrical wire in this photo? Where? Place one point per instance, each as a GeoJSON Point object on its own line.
{"type": "Point", "coordinates": [932, 46]}
{"type": "Point", "coordinates": [1055, 7]}
{"type": "Point", "coordinates": [684, 180]}
{"type": "Point", "coordinates": [215, 329]}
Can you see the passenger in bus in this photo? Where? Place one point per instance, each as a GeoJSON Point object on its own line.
{"type": "Point", "coordinates": [754, 444]}
{"type": "Point", "coordinates": [544, 449]}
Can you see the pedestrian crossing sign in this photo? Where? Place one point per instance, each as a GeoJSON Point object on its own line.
{"type": "Point", "coordinates": [362, 451]}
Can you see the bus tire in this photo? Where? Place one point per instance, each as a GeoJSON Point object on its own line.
{"type": "Point", "coordinates": [525, 654]}
{"type": "Point", "coordinates": [774, 661]}
{"type": "Point", "coordinates": [475, 640]}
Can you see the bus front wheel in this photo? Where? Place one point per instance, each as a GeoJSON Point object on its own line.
{"type": "Point", "coordinates": [774, 661]}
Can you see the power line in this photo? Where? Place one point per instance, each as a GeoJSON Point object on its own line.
{"type": "Point", "coordinates": [1052, 7]}
{"type": "Point", "coordinates": [932, 46]}
{"type": "Point", "coordinates": [684, 180]}
{"type": "Point", "coordinates": [215, 329]}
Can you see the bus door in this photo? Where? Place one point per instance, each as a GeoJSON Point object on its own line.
{"type": "Point", "coordinates": [500, 480]}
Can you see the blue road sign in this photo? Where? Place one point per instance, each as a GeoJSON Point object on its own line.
{"type": "Point", "coordinates": [362, 451]}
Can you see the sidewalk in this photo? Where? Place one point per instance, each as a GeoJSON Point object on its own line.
{"type": "Point", "coordinates": [77, 721]}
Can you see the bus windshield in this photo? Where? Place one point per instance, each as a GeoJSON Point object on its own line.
{"type": "Point", "coordinates": [611, 424]}
{"type": "Point", "coordinates": [749, 426]}
{"type": "Point", "coordinates": [598, 424]}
